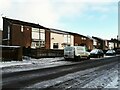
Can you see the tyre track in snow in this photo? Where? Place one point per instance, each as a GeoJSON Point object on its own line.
{"type": "Point", "coordinates": [19, 80]}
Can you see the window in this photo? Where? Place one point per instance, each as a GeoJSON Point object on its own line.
{"type": "Point", "coordinates": [83, 38]}
{"type": "Point", "coordinates": [35, 33]}
{"type": "Point", "coordinates": [38, 37]}
{"type": "Point", "coordinates": [55, 45]}
{"type": "Point", "coordinates": [105, 43]}
{"type": "Point", "coordinates": [8, 32]}
{"type": "Point", "coordinates": [67, 39]}
{"type": "Point", "coordinates": [37, 44]}
{"type": "Point", "coordinates": [33, 45]}
{"type": "Point", "coordinates": [42, 34]}
{"type": "Point", "coordinates": [115, 45]}
{"type": "Point", "coordinates": [42, 44]}
{"type": "Point", "coordinates": [21, 28]}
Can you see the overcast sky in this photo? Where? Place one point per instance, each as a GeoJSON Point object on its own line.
{"type": "Point", "coordinates": [87, 17]}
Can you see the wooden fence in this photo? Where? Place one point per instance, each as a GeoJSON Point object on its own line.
{"type": "Point", "coordinates": [16, 53]}
{"type": "Point", "coordinates": [40, 53]}
{"type": "Point", "coordinates": [11, 53]}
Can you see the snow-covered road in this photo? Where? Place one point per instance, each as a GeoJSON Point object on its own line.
{"type": "Point", "coordinates": [100, 77]}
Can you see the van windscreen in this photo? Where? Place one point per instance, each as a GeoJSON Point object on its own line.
{"type": "Point", "coordinates": [68, 49]}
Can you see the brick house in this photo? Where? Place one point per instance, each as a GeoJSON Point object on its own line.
{"type": "Point", "coordinates": [99, 43]}
{"type": "Point", "coordinates": [83, 40]}
{"type": "Point", "coordinates": [105, 44]}
{"type": "Point", "coordinates": [114, 44]}
{"type": "Point", "coordinates": [25, 34]}
{"type": "Point", "coordinates": [59, 39]}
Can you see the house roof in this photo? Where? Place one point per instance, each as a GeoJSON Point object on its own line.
{"type": "Point", "coordinates": [89, 37]}
{"type": "Point", "coordinates": [97, 38]}
{"type": "Point", "coordinates": [60, 31]}
{"type": "Point", "coordinates": [114, 40]}
{"type": "Point", "coordinates": [65, 32]}
{"type": "Point", "coordinates": [14, 21]}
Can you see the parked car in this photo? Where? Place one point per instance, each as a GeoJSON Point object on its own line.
{"type": "Point", "coordinates": [76, 53]}
{"type": "Point", "coordinates": [118, 51]}
{"type": "Point", "coordinates": [96, 53]}
{"type": "Point", "coordinates": [110, 52]}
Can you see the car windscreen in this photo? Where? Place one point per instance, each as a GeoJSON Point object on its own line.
{"type": "Point", "coordinates": [110, 51]}
{"type": "Point", "coordinates": [94, 51]}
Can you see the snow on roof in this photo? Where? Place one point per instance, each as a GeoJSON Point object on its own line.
{"type": "Point", "coordinates": [9, 46]}
{"type": "Point", "coordinates": [58, 31]}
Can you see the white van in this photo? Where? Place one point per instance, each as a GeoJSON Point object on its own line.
{"type": "Point", "coordinates": [76, 52]}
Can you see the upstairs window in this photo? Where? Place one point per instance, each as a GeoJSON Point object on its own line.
{"type": "Point", "coordinates": [55, 45]}
{"type": "Point", "coordinates": [35, 33]}
{"type": "Point", "coordinates": [21, 28]}
{"type": "Point", "coordinates": [67, 39]}
{"type": "Point", "coordinates": [8, 32]}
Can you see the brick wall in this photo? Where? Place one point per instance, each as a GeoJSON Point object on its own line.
{"type": "Point", "coordinates": [20, 38]}
{"type": "Point", "coordinates": [89, 44]}
{"type": "Point", "coordinates": [79, 41]}
{"type": "Point", "coordinates": [47, 39]}
{"type": "Point", "coordinates": [27, 36]}
{"type": "Point", "coordinates": [16, 35]}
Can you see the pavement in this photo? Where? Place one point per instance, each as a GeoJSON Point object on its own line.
{"type": "Point", "coordinates": [32, 63]}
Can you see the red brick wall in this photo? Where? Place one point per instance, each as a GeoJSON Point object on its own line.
{"type": "Point", "coordinates": [88, 42]}
{"type": "Point", "coordinates": [16, 35]}
{"type": "Point", "coordinates": [20, 38]}
{"type": "Point", "coordinates": [77, 40]}
{"type": "Point", "coordinates": [27, 36]}
{"type": "Point", "coordinates": [47, 39]}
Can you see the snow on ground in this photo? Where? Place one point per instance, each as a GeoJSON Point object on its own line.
{"type": "Point", "coordinates": [62, 79]}
{"type": "Point", "coordinates": [107, 80]}
{"type": "Point", "coordinates": [29, 61]}
{"type": "Point", "coordinates": [104, 79]}
{"type": "Point", "coordinates": [30, 64]}
{"type": "Point", "coordinates": [113, 84]}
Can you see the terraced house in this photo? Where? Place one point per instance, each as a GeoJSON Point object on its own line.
{"type": "Point", "coordinates": [59, 39]}
{"type": "Point", "coordinates": [26, 34]}
{"type": "Point", "coordinates": [83, 41]}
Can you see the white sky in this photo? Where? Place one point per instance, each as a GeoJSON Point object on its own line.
{"type": "Point", "coordinates": [57, 13]}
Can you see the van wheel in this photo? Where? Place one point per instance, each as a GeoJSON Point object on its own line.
{"type": "Point", "coordinates": [88, 57]}
{"type": "Point", "coordinates": [77, 58]}
{"type": "Point", "coordinates": [98, 56]}
{"type": "Point", "coordinates": [66, 59]}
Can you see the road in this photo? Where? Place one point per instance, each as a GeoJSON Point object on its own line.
{"type": "Point", "coordinates": [76, 75]}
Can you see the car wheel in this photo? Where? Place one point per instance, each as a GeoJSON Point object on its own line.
{"type": "Point", "coordinates": [102, 55]}
{"type": "Point", "coordinates": [98, 56]}
{"type": "Point", "coordinates": [88, 57]}
{"type": "Point", "coordinates": [77, 58]}
{"type": "Point", "coordinates": [66, 59]}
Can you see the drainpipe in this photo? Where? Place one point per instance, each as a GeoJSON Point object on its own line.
{"type": "Point", "coordinates": [39, 37]}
